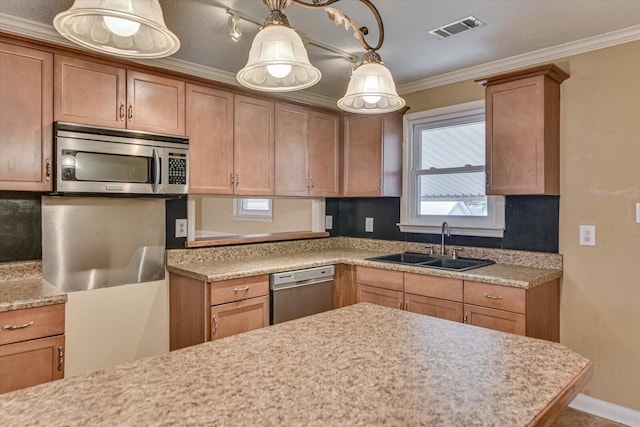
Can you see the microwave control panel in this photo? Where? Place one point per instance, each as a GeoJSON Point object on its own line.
{"type": "Point", "coordinates": [177, 168]}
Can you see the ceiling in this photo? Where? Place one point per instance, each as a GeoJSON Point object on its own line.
{"type": "Point", "coordinates": [514, 27]}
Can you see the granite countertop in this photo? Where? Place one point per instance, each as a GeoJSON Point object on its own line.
{"type": "Point", "coordinates": [358, 365]}
{"type": "Point", "coordinates": [213, 270]}
{"type": "Point", "coordinates": [22, 286]}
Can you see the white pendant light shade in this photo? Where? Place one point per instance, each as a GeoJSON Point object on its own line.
{"type": "Point", "coordinates": [371, 91]}
{"type": "Point", "coordinates": [129, 28]}
{"type": "Point", "coordinates": [278, 62]}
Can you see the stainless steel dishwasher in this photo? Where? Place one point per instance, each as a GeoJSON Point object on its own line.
{"type": "Point", "coordinates": [301, 293]}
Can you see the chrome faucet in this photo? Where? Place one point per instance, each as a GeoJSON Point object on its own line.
{"type": "Point", "coordinates": [445, 226]}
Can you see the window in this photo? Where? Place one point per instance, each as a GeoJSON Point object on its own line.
{"type": "Point", "coordinates": [444, 173]}
{"type": "Point", "coordinates": [253, 210]}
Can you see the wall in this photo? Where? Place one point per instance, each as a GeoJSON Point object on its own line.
{"type": "Point", "coordinates": [600, 184]}
{"type": "Point", "coordinates": [216, 214]}
{"type": "Point", "coordinates": [531, 223]}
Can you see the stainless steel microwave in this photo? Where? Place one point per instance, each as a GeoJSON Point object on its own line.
{"type": "Point", "coordinates": [91, 159]}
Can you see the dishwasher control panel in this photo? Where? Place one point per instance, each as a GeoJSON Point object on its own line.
{"type": "Point", "coordinates": [302, 275]}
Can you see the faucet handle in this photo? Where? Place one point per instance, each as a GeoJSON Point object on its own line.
{"type": "Point", "coordinates": [454, 252]}
{"type": "Point", "coordinates": [430, 247]}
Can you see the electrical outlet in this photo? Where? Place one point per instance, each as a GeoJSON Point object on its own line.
{"type": "Point", "coordinates": [587, 235]}
{"type": "Point", "coordinates": [637, 213]}
{"type": "Point", "coordinates": [368, 225]}
{"type": "Point", "coordinates": [181, 228]}
{"type": "Point", "coordinates": [328, 222]}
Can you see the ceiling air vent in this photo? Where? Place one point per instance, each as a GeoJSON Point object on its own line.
{"type": "Point", "coordinates": [464, 24]}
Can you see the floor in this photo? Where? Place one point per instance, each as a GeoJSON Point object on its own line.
{"type": "Point", "coordinates": [572, 418]}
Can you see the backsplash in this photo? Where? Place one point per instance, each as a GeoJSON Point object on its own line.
{"type": "Point", "coordinates": [20, 226]}
{"type": "Point", "coordinates": [531, 223]}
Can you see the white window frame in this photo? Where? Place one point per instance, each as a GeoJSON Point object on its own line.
{"type": "Point", "coordinates": [242, 214]}
{"type": "Point", "coordinates": [490, 226]}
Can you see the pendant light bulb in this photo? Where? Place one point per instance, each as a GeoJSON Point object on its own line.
{"type": "Point", "coordinates": [279, 71]}
{"type": "Point", "coordinates": [121, 27]}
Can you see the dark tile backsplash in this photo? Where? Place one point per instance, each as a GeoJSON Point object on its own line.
{"type": "Point", "coordinates": [176, 209]}
{"type": "Point", "coordinates": [20, 226]}
{"type": "Point", "coordinates": [531, 223]}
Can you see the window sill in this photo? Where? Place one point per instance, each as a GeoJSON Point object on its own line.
{"type": "Point", "coordinates": [254, 238]}
{"type": "Point", "coordinates": [458, 231]}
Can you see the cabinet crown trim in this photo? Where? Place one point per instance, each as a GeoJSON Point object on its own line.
{"type": "Point", "coordinates": [550, 70]}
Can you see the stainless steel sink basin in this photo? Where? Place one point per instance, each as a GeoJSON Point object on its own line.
{"type": "Point", "coordinates": [432, 261]}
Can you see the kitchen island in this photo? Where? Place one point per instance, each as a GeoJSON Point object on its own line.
{"type": "Point", "coordinates": [359, 365]}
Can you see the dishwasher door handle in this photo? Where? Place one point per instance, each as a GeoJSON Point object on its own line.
{"type": "Point", "coordinates": [301, 283]}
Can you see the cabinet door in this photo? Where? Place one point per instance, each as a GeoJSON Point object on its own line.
{"type": "Point", "coordinates": [26, 118]}
{"type": "Point", "coordinates": [90, 93]}
{"type": "Point", "coordinates": [237, 317]}
{"type": "Point", "coordinates": [379, 296]}
{"type": "Point", "coordinates": [498, 320]}
{"type": "Point", "coordinates": [324, 152]}
{"type": "Point", "coordinates": [210, 130]}
{"type": "Point", "coordinates": [362, 155]}
{"type": "Point", "coordinates": [155, 104]}
{"type": "Point", "coordinates": [291, 156]}
{"type": "Point", "coordinates": [29, 363]}
{"type": "Point", "coordinates": [515, 137]}
{"type": "Point", "coordinates": [253, 146]}
{"type": "Point", "coordinates": [434, 307]}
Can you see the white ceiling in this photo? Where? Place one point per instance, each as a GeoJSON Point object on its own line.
{"type": "Point", "coordinates": [514, 27]}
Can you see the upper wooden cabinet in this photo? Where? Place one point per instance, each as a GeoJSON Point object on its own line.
{"type": "Point", "coordinates": [26, 118]}
{"type": "Point", "coordinates": [523, 131]}
{"type": "Point", "coordinates": [253, 147]}
{"type": "Point", "coordinates": [104, 95]}
{"type": "Point", "coordinates": [210, 130]}
{"type": "Point", "coordinates": [373, 155]}
{"type": "Point", "coordinates": [306, 152]}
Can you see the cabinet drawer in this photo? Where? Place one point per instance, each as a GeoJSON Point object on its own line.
{"type": "Point", "coordinates": [380, 278]}
{"type": "Point", "coordinates": [430, 286]}
{"type": "Point", "coordinates": [498, 320]}
{"type": "Point", "coordinates": [31, 323]}
{"type": "Point", "coordinates": [495, 296]}
{"type": "Point", "coordinates": [239, 289]}
{"type": "Point", "coordinates": [379, 296]}
{"type": "Point", "coordinates": [237, 317]}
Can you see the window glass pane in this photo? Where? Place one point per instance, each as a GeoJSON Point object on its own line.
{"type": "Point", "coordinates": [452, 146]}
{"type": "Point", "coordinates": [458, 194]}
{"type": "Point", "coordinates": [256, 204]}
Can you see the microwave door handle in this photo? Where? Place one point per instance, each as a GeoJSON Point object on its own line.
{"type": "Point", "coordinates": [156, 170]}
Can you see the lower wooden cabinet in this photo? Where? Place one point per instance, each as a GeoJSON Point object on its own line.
{"type": "Point", "coordinates": [202, 311]}
{"type": "Point", "coordinates": [31, 346]}
{"type": "Point", "coordinates": [237, 317]}
{"type": "Point", "coordinates": [434, 307]}
{"type": "Point", "coordinates": [380, 296]}
{"type": "Point", "coordinates": [498, 320]}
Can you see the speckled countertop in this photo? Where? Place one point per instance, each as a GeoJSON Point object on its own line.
{"type": "Point", "coordinates": [22, 286]}
{"type": "Point", "coordinates": [359, 365]}
{"type": "Point", "coordinates": [194, 264]}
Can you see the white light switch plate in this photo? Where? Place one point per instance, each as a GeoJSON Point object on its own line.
{"type": "Point", "coordinates": [637, 213]}
{"type": "Point", "coordinates": [328, 222]}
{"type": "Point", "coordinates": [587, 235]}
{"type": "Point", "coordinates": [368, 225]}
{"type": "Point", "coordinates": [181, 228]}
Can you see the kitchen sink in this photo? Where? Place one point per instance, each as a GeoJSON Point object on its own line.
{"type": "Point", "coordinates": [433, 261]}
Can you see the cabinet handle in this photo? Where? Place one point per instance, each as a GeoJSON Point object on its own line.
{"type": "Point", "coordinates": [312, 184]}
{"type": "Point", "coordinates": [406, 304]}
{"type": "Point", "coordinates": [486, 180]}
{"type": "Point", "coordinates": [464, 320]}
{"type": "Point", "coordinates": [122, 113]}
{"type": "Point", "coordinates": [246, 288]}
{"type": "Point", "coordinates": [489, 296]}
{"type": "Point", "coordinates": [308, 183]}
{"type": "Point", "coordinates": [237, 180]}
{"type": "Point", "coordinates": [215, 324]}
{"type": "Point", "coordinates": [400, 305]}
{"type": "Point", "coordinates": [47, 166]}
{"type": "Point", "coordinates": [130, 112]}
{"type": "Point", "coordinates": [16, 327]}
{"type": "Point", "coordinates": [232, 178]}
{"type": "Point", "coordinates": [60, 358]}
{"type": "Point", "coordinates": [379, 183]}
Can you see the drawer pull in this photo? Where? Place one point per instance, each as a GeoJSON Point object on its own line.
{"type": "Point", "coordinates": [246, 288]}
{"type": "Point", "coordinates": [215, 324]}
{"type": "Point", "coordinates": [16, 327]}
{"type": "Point", "coordinates": [489, 296]}
{"type": "Point", "coordinates": [466, 316]}
{"type": "Point", "coordinates": [60, 358]}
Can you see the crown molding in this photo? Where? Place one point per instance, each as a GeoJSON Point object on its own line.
{"type": "Point", "coordinates": [43, 32]}
{"type": "Point", "coordinates": [535, 57]}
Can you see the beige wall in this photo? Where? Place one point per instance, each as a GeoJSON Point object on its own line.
{"type": "Point", "coordinates": [600, 184]}
{"type": "Point", "coordinates": [216, 214]}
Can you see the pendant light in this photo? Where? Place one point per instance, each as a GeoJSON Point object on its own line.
{"type": "Point", "coordinates": [278, 60]}
{"type": "Point", "coordinates": [128, 28]}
